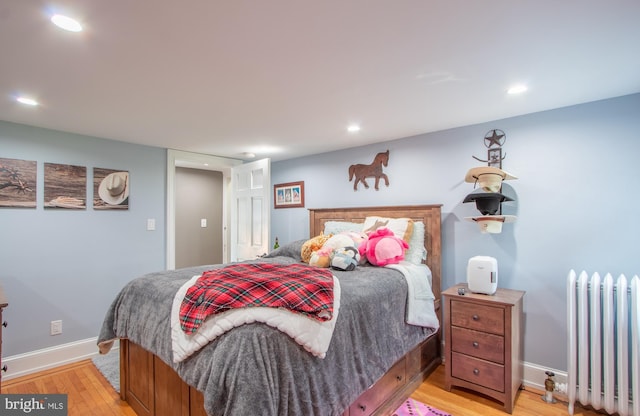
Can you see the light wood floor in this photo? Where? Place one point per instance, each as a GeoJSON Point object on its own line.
{"type": "Point", "coordinates": [89, 393]}
{"type": "Point", "coordinates": [460, 402]}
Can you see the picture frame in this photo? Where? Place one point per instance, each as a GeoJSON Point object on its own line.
{"type": "Point", "coordinates": [65, 186]}
{"type": "Point", "coordinates": [111, 189]}
{"type": "Point", "coordinates": [288, 195]}
{"type": "Point", "coordinates": [18, 183]}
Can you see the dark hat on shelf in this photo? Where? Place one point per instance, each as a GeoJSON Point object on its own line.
{"type": "Point", "coordinates": [488, 203]}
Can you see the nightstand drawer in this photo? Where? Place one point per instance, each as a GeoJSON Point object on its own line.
{"type": "Point", "coordinates": [477, 371]}
{"type": "Point", "coordinates": [478, 344]}
{"type": "Point", "coordinates": [480, 317]}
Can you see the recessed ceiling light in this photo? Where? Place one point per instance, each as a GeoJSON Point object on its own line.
{"type": "Point", "coordinates": [27, 101]}
{"type": "Point", "coordinates": [517, 89]}
{"type": "Point", "coordinates": [353, 128]}
{"type": "Point", "coordinates": [249, 155]}
{"type": "Point", "coordinates": [66, 23]}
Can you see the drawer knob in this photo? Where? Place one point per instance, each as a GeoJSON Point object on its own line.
{"type": "Point", "coordinates": [475, 317]}
{"type": "Point", "coordinates": [362, 407]}
{"type": "Point", "coordinates": [399, 378]}
{"type": "Point", "coordinates": [475, 344]}
{"type": "Point", "coordinates": [5, 368]}
{"type": "Point", "coordinates": [4, 324]}
{"type": "Point", "coordinates": [476, 371]}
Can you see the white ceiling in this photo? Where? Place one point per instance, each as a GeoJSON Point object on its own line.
{"type": "Point", "coordinates": [284, 78]}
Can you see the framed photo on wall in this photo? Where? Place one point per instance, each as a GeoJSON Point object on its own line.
{"type": "Point", "coordinates": [288, 195]}
{"type": "Point", "coordinates": [18, 183]}
{"type": "Point", "coordinates": [65, 186]}
{"type": "Point", "coordinates": [110, 189]}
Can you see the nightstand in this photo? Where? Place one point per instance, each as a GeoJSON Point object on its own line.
{"type": "Point", "coordinates": [483, 342]}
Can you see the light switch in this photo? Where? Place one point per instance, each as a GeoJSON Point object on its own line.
{"type": "Point", "coordinates": [203, 223]}
{"type": "Point", "coordinates": [151, 224]}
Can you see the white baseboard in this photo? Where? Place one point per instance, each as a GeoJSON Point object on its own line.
{"type": "Point", "coordinates": [534, 377]}
{"type": "Point", "coordinates": [44, 359]}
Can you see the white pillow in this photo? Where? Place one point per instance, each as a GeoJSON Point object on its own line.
{"type": "Point", "coordinates": [416, 252]}
{"type": "Point", "coordinates": [337, 227]}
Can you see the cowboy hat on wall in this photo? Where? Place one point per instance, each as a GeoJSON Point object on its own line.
{"type": "Point", "coordinates": [111, 189]}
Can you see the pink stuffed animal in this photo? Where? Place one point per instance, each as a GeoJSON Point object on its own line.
{"type": "Point", "coordinates": [383, 247]}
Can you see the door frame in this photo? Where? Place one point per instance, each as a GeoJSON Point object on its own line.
{"type": "Point", "coordinates": [178, 158]}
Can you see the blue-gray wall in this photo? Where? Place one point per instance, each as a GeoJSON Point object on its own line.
{"type": "Point", "coordinates": [576, 201]}
{"type": "Point", "coordinates": [70, 264]}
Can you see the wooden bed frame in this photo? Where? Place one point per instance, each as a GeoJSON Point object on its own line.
{"type": "Point", "coordinates": [152, 388]}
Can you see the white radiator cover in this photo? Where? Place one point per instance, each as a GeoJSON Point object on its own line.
{"type": "Point", "coordinates": [603, 321]}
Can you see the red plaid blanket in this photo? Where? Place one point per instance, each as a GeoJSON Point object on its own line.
{"type": "Point", "coordinates": [296, 287]}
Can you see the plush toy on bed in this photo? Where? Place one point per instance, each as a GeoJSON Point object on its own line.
{"type": "Point", "coordinates": [383, 247]}
{"type": "Point", "coordinates": [312, 245]}
{"type": "Point", "coordinates": [346, 258]}
{"type": "Point", "coordinates": [322, 257]}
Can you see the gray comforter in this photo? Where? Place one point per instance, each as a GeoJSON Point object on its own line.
{"type": "Point", "coordinates": [256, 369]}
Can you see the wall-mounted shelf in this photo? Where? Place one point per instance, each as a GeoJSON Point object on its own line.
{"type": "Point", "coordinates": [489, 200]}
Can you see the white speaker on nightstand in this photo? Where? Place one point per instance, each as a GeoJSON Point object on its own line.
{"type": "Point", "coordinates": [482, 275]}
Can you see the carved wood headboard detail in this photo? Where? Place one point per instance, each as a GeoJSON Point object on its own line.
{"type": "Point", "coordinates": [430, 215]}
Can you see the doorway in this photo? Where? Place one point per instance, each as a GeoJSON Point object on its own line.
{"type": "Point", "coordinates": [198, 217]}
{"type": "Point", "coordinates": [180, 159]}
{"type": "Point", "coordinates": [230, 202]}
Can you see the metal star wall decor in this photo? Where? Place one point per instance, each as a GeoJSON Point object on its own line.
{"type": "Point", "coordinates": [493, 140]}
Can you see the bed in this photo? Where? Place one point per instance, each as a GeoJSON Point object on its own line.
{"type": "Point", "coordinates": [374, 361]}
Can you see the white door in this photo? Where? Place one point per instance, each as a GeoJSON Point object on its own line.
{"type": "Point", "coordinates": [250, 209]}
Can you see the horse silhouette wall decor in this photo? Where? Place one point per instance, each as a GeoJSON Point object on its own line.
{"type": "Point", "coordinates": [374, 170]}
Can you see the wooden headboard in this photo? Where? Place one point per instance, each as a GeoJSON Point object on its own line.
{"type": "Point", "coordinates": [428, 214]}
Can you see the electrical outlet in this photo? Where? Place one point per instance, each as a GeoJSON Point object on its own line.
{"type": "Point", "coordinates": [56, 327]}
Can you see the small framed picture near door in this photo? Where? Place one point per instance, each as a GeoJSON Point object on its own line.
{"type": "Point", "coordinates": [288, 195]}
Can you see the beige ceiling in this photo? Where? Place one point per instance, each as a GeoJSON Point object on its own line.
{"type": "Point", "coordinates": [284, 78]}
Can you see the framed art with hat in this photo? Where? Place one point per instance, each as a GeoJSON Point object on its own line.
{"type": "Point", "coordinates": [110, 189]}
